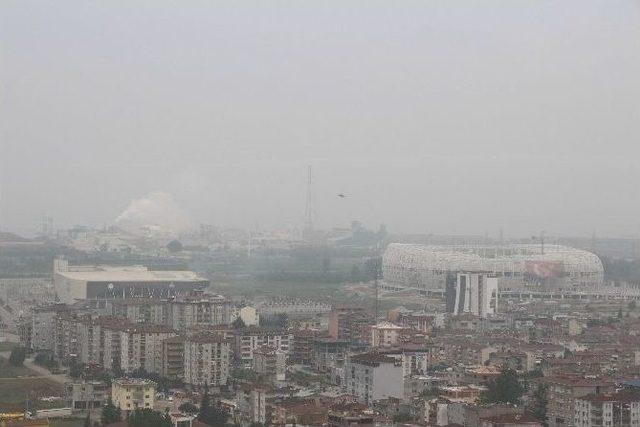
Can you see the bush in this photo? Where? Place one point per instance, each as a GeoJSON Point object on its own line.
{"type": "Point", "coordinates": [46, 359]}
{"type": "Point", "coordinates": [18, 354]}
{"type": "Point", "coordinates": [188, 408]}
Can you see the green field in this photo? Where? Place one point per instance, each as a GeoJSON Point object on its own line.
{"type": "Point", "coordinates": [8, 371]}
{"type": "Point", "coordinates": [250, 287]}
{"type": "Point", "coordinates": [7, 346]}
{"type": "Point", "coordinates": [17, 385]}
{"type": "Point", "coordinates": [15, 392]}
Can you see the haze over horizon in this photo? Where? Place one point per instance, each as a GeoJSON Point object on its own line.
{"type": "Point", "coordinates": [448, 117]}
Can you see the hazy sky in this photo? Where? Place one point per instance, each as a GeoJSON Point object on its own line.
{"type": "Point", "coordinates": [432, 116]}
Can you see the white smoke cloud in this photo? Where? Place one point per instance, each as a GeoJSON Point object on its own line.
{"type": "Point", "coordinates": [157, 211]}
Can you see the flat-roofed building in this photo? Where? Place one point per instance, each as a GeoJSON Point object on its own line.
{"type": "Point", "coordinates": [249, 339]}
{"type": "Point", "coordinates": [619, 409]}
{"type": "Point", "coordinates": [85, 394]}
{"type": "Point", "coordinates": [73, 283]}
{"type": "Point", "coordinates": [328, 353]}
{"type": "Point", "coordinates": [563, 392]}
{"type": "Point", "coordinates": [142, 310]}
{"type": "Point", "coordinates": [270, 363]}
{"type": "Point", "coordinates": [385, 334]}
{"type": "Point", "coordinates": [173, 357]}
{"type": "Point", "coordinates": [199, 308]}
{"type": "Point", "coordinates": [206, 360]}
{"type": "Point", "coordinates": [130, 394]}
{"type": "Point", "coordinates": [374, 376]}
{"type": "Point", "coordinates": [141, 347]}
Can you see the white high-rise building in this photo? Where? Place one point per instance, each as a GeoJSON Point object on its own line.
{"type": "Point", "coordinates": [473, 293]}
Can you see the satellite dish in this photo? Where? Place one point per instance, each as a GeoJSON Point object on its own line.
{"type": "Point", "coordinates": [110, 286]}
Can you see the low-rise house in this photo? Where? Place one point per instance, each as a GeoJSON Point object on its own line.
{"type": "Point", "coordinates": [385, 334]}
{"type": "Point", "coordinates": [130, 394]}
{"type": "Point", "coordinates": [83, 395]}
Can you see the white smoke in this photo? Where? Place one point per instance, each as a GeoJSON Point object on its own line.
{"type": "Point", "coordinates": [156, 212]}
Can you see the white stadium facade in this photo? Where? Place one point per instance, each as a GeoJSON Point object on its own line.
{"type": "Point", "coordinates": [519, 266]}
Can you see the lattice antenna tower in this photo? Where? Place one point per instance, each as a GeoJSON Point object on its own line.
{"type": "Point", "coordinates": [309, 210]}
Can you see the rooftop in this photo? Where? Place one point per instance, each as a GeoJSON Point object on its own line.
{"type": "Point", "coordinates": [372, 359]}
{"type": "Point", "coordinates": [132, 382]}
{"type": "Point", "coordinates": [127, 274]}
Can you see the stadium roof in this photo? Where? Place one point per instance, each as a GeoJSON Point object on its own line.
{"type": "Point", "coordinates": [489, 258]}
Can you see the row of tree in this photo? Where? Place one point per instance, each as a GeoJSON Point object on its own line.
{"type": "Point", "coordinates": [208, 413]}
{"type": "Point", "coordinates": [508, 388]}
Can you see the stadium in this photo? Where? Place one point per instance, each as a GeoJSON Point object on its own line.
{"type": "Point", "coordinates": [519, 266]}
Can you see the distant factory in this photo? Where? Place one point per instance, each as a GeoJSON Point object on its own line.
{"type": "Point", "coordinates": [72, 283]}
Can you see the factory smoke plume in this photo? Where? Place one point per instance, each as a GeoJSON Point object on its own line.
{"type": "Point", "coordinates": [156, 212]}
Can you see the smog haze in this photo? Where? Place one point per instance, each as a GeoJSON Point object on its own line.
{"type": "Point", "coordinates": [430, 116]}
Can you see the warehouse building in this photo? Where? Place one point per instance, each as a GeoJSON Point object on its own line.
{"type": "Point", "coordinates": [72, 283]}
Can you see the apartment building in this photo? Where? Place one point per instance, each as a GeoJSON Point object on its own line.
{"type": "Point", "coordinates": [619, 409]}
{"type": "Point", "coordinates": [270, 363]}
{"type": "Point", "coordinates": [142, 310]}
{"type": "Point", "coordinates": [206, 360]}
{"type": "Point", "coordinates": [350, 324]}
{"type": "Point", "coordinates": [373, 376]}
{"type": "Point", "coordinates": [173, 357]}
{"type": "Point", "coordinates": [328, 354]}
{"type": "Point", "coordinates": [141, 347]}
{"type": "Point", "coordinates": [303, 345]}
{"type": "Point", "coordinates": [249, 339]}
{"type": "Point", "coordinates": [199, 309]}
{"type": "Point", "coordinates": [563, 392]}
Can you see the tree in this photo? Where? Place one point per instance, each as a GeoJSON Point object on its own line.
{"type": "Point", "coordinates": [539, 402]}
{"type": "Point", "coordinates": [238, 323]}
{"type": "Point", "coordinates": [188, 408]}
{"type": "Point", "coordinates": [374, 267]}
{"type": "Point", "coordinates": [504, 389]}
{"type": "Point", "coordinates": [46, 359]}
{"type": "Point", "coordinates": [632, 305]}
{"type": "Point", "coordinates": [213, 416]}
{"type": "Point", "coordinates": [17, 356]}
{"type": "Point", "coordinates": [174, 246]}
{"type": "Point", "coordinates": [110, 413]}
{"type": "Point", "coordinates": [87, 420]}
{"type": "Point", "coordinates": [402, 418]}
{"type": "Point", "coordinates": [149, 418]}
{"type": "Point", "coordinates": [116, 367]}
{"type": "Point", "coordinates": [76, 369]}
